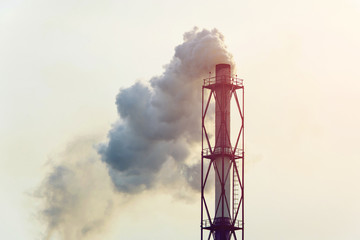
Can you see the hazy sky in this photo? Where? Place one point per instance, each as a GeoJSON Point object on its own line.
{"type": "Point", "coordinates": [62, 64]}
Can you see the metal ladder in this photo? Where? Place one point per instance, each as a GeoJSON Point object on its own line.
{"type": "Point", "coordinates": [236, 191]}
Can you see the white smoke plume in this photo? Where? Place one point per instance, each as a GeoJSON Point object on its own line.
{"type": "Point", "coordinates": [161, 122]}
{"type": "Point", "coordinates": [78, 194]}
{"type": "Point", "coordinates": [155, 141]}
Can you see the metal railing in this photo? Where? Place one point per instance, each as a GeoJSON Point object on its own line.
{"type": "Point", "coordinates": [222, 150]}
{"type": "Point", "coordinates": [223, 79]}
{"type": "Point", "coordinates": [227, 221]}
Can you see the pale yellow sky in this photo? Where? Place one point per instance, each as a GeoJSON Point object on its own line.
{"type": "Point", "coordinates": [63, 62]}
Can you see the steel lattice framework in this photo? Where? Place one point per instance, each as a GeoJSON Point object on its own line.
{"type": "Point", "coordinates": [224, 161]}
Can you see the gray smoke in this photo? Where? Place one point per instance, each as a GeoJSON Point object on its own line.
{"type": "Point", "coordinates": [77, 194]}
{"type": "Point", "coordinates": [161, 122]}
{"type": "Point", "coordinates": [156, 140]}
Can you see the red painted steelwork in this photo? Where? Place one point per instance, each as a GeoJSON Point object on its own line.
{"type": "Point", "coordinates": [222, 160]}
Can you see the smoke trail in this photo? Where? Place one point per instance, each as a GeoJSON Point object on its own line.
{"type": "Point", "coordinates": [155, 141]}
{"type": "Point", "coordinates": [78, 194]}
{"type": "Point", "coordinates": [161, 122]}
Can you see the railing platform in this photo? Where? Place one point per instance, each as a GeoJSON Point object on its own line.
{"type": "Point", "coordinates": [214, 82]}
{"type": "Point", "coordinates": [221, 222]}
{"type": "Point", "coordinates": [227, 151]}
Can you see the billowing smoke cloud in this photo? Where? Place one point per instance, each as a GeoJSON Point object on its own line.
{"type": "Point", "coordinates": [161, 122]}
{"type": "Point", "coordinates": [156, 140]}
{"type": "Point", "coordinates": [78, 194]}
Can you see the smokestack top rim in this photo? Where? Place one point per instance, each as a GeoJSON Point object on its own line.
{"type": "Point", "coordinates": [222, 65]}
{"type": "Point", "coordinates": [225, 64]}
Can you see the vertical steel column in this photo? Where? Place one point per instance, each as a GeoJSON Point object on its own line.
{"type": "Point", "coordinates": [222, 144]}
{"type": "Point", "coordinates": [222, 158]}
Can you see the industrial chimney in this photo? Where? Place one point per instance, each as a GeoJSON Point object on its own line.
{"type": "Point", "coordinates": [220, 157]}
